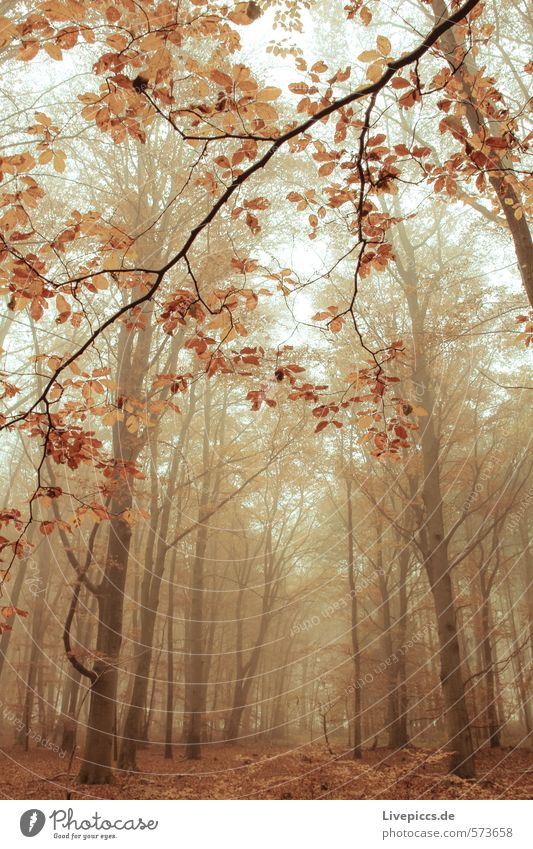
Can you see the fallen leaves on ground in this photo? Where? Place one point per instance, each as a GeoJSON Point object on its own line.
{"type": "Point", "coordinates": [261, 772]}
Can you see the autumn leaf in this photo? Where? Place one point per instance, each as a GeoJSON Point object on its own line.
{"type": "Point", "coordinates": [375, 71]}
{"type": "Point", "coordinates": [222, 79]}
{"type": "Point", "coordinates": [59, 161]}
{"type": "Point", "coordinates": [265, 111]}
{"type": "Point", "coordinates": [496, 142]}
{"type": "Point", "coordinates": [245, 13]}
{"type": "Point", "coordinates": [298, 88]}
{"type": "Point", "coordinates": [53, 50]}
{"type": "Point", "coordinates": [132, 424]}
{"type": "Point", "coordinates": [46, 156]}
{"type": "Point", "coordinates": [326, 169]}
{"type": "Point", "coordinates": [29, 50]}
{"type": "Point", "coordinates": [399, 82]}
{"type": "Point", "coordinates": [366, 15]}
{"type": "Point", "coordinates": [384, 45]}
{"type": "Point", "coordinates": [269, 93]}
{"type": "Point", "coordinates": [7, 31]}
{"type": "Point", "coordinates": [368, 56]}
{"type": "Point", "coordinates": [9, 610]}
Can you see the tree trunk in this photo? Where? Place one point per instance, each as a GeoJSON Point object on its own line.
{"type": "Point", "coordinates": [132, 732]}
{"type": "Point", "coordinates": [36, 651]}
{"type": "Point", "coordinates": [401, 733]}
{"type": "Point", "coordinates": [196, 665]}
{"type": "Point", "coordinates": [393, 717]}
{"type": "Point", "coordinates": [499, 169]}
{"type": "Point", "coordinates": [245, 673]}
{"type": "Point", "coordinates": [357, 752]}
{"type": "Point", "coordinates": [490, 684]}
{"type": "Point", "coordinates": [523, 692]}
{"type": "Point", "coordinates": [434, 544]}
{"type": "Point", "coordinates": [457, 719]}
{"type": "Point", "coordinates": [169, 715]}
{"type": "Point", "coordinates": [12, 596]}
{"type": "Point", "coordinates": [96, 766]}
{"type": "Point", "coordinates": [528, 567]}
{"type": "Point", "coordinates": [68, 720]}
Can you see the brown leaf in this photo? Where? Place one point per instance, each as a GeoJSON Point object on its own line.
{"type": "Point", "coordinates": [53, 50]}
{"type": "Point", "coordinates": [384, 45]}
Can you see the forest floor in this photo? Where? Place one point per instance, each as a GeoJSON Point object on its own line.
{"type": "Point", "coordinates": [260, 772]}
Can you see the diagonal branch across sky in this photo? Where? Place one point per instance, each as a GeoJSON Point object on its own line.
{"type": "Point", "coordinates": [373, 88]}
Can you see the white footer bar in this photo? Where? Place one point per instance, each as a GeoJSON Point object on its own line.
{"type": "Point", "coordinates": [268, 825]}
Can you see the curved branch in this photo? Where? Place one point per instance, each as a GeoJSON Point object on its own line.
{"type": "Point", "coordinates": [81, 579]}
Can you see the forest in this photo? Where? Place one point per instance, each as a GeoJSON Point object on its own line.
{"type": "Point", "coordinates": [265, 344]}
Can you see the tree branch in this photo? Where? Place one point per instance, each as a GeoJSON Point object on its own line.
{"type": "Point", "coordinates": [371, 89]}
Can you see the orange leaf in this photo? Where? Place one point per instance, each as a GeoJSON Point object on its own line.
{"type": "Point", "coordinates": [384, 45]}
{"type": "Point", "coordinates": [269, 93]}
{"type": "Point", "coordinates": [374, 71]}
{"type": "Point", "coordinates": [496, 142]}
{"type": "Point", "coordinates": [7, 31]}
{"type": "Point", "coordinates": [220, 78]}
{"type": "Point", "coordinates": [326, 169]}
{"type": "Point", "coordinates": [53, 50]}
{"type": "Point", "coordinates": [368, 55]}
{"type": "Point", "coordinates": [10, 611]}
{"type": "Point", "coordinates": [299, 88]}
{"type": "Point", "coordinates": [59, 161]}
{"type": "Point", "coordinates": [399, 82]}
{"type": "Point", "coordinates": [244, 13]}
{"type": "Point", "coordinates": [28, 50]}
{"type": "Point", "coordinates": [266, 112]}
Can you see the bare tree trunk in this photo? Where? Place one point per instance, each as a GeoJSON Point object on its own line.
{"type": "Point", "coordinates": [169, 715]}
{"type": "Point", "coordinates": [68, 721]}
{"type": "Point", "coordinates": [154, 566]}
{"type": "Point", "coordinates": [12, 596]}
{"type": "Point", "coordinates": [196, 662]}
{"type": "Point", "coordinates": [246, 672]}
{"type": "Point", "coordinates": [434, 543]}
{"type": "Point", "coordinates": [438, 568]}
{"type": "Point", "coordinates": [354, 630]}
{"type": "Point", "coordinates": [196, 666]}
{"type": "Point", "coordinates": [401, 733]}
{"type": "Point", "coordinates": [487, 654]}
{"type": "Point", "coordinates": [36, 656]}
{"type": "Point", "coordinates": [98, 755]}
{"type": "Point", "coordinates": [528, 564]}
{"type": "Point", "coordinates": [524, 694]}
{"type": "Point", "coordinates": [132, 730]}
{"type": "Point", "coordinates": [96, 767]}
{"type": "Point", "coordinates": [396, 733]}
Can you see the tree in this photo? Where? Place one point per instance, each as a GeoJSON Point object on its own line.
{"type": "Point", "coordinates": [158, 266]}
